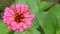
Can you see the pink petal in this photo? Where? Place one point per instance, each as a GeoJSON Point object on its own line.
{"type": "Point", "coordinates": [24, 25]}
{"type": "Point", "coordinates": [14, 8]}
{"type": "Point", "coordinates": [7, 20]}
{"type": "Point", "coordinates": [14, 28]}
{"type": "Point", "coordinates": [18, 26]}
{"type": "Point", "coordinates": [27, 22]}
{"type": "Point", "coordinates": [7, 17]}
{"type": "Point", "coordinates": [27, 12]}
{"type": "Point", "coordinates": [24, 8]}
{"type": "Point", "coordinates": [21, 29]}
{"type": "Point", "coordinates": [13, 23]}
{"type": "Point", "coordinates": [18, 7]}
{"type": "Point", "coordinates": [30, 17]}
{"type": "Point", "coordinates": [29, 26]}
{"type": "Point", "coordinates": [9, 27]}
{"type": "Point", "coordinates": [8, 12]}
{"type": "Point", "coordinates": [17, 30]}
{"type": "Point", "coordinates": [12, 12]}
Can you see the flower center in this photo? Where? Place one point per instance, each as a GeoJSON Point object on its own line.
{"type": "Point", "coordinates": [19, 17]}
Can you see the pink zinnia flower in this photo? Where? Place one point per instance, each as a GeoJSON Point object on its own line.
{"type": "Point", "coordinates": [18, 17]}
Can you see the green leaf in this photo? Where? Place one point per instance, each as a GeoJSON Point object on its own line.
{"type": "Point", "coordinates": [58, 32]}
{"type": "Point", "coordinates": [49, 25]}
{"type": "Point", "coordinates": [33, 6]}
{"type": "Point", "coordinates": [34, 31]}
{"type": "Point", "coordinates": [21, 1]}
{"type": "Point", "coordinates": [41, 16]}
{"type": "Point", "coordinates": [11, 32]}
{"type": "Point", "coordinates": [25, 32]}
{"type": "Point", "coordinates": [3, 28]}
{"type": "Point", "coordinates": [56, 11]}
{"type": "Point", "coordinates": [44, 5]}
{"type": "Point", "coordinates": [47, 21]}
{"type": "Point", "coordinates": [35, 23]}
{"type": "Point", "coordinates": [38, 3]}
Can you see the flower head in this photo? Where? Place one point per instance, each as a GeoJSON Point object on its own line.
{"type": "Point", "coordinates": [18, 17]}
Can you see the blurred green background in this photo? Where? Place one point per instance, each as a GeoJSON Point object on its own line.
{"type": "Point", "coordinates": [47, 19]}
